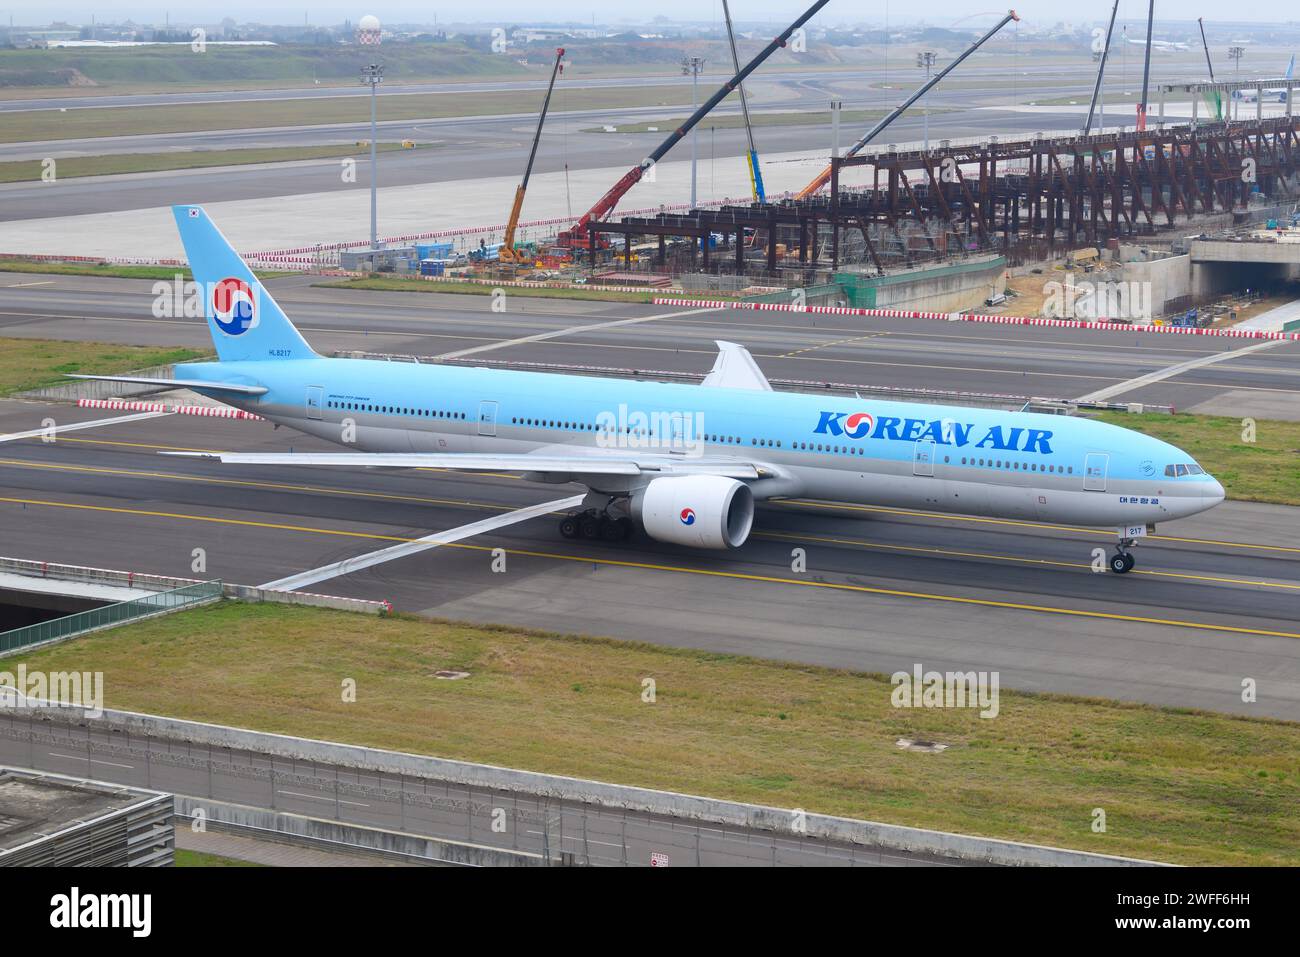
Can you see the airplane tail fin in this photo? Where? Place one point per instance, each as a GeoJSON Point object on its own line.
{"type": "Point", "coordinates": [1290, 67]}
{"type": "Point", "coordinates": [245, 322]}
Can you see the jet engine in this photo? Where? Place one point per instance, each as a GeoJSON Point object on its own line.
{"type": "Point", "coordinates": [702, 511]}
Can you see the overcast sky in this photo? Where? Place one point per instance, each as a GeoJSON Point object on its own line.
{"type": "Point", "coordinates": [936, 12]}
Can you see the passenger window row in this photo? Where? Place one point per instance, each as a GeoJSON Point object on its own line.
{"type": "Point", "coordinates": [394, 410]}
{"type": "Point", "coordinates": [1013, 465]}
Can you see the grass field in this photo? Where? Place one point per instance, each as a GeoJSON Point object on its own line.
{"type": "Point", "coordinates": [109, 270]}
{"type": "Point", "coordinates": [33, 363]}
{"type": "Point", "coordinates": [74, 166]}
{"type": "Point", "coordinates": [200, 859]}
{"type": "Point", "coordinates": [46, 125]}
{"type": "Point", "coordinates": [1265, 470]}
{"type": "Point", "coordinates": [177, 68]}
{"type": "Point", "coordinates": [393, 284]}
{"type": "Point", "coordinates": [1185, 787]}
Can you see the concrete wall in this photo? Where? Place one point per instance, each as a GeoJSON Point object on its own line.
{"type": "Point", "coordinates": [1170, 279]}
{"type": "Point", "coordinates": [76, 575]}
{"type": "Point", "coordinates": [952, 287]}
{"type": "Point", "coordinates": [75, 389]}
{"type": "Point", "coordinates": [296, 829]}
{"type": "Point", "coordinates": [1226, 251]}
{"type": "Point", "coordinates": [826, 294]}
{"type": "Point", "coordinates": [685, 806]}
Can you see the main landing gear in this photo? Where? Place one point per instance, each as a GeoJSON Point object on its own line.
{"type": "Point", "coordinates": [594, 524]}
{"type": "Point", "coordinates": [1123, 561]}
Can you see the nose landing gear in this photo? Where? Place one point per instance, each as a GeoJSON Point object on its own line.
{"type": "Point", "coordinates": [1123, 561]}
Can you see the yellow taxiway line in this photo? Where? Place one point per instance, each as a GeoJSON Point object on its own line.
{"type": "Point", "coordinates": [681, 569]}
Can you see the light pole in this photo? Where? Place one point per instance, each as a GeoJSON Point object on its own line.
{"type": "Point", "coordinates": [368, 34]}
{"type": "Point", "coordinates": [926, 59]}
{"type": "Point", "coordinates": [373, 75]}
{"type": "Point", "coordinates": [692, 66]}
{"type": "Point", "coordinates": [1236, 53]}
{"type": "Point", "coordinates": [836, 106]}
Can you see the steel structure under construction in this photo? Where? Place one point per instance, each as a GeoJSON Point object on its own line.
{"type": "Point", "coordinates": [1024, 198]}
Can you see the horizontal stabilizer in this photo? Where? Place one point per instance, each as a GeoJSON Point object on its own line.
{"type": "Point", "coordinates": [196, 384]}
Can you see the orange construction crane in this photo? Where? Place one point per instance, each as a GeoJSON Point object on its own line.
{"type": "Point", "coordinates": [508, 253]}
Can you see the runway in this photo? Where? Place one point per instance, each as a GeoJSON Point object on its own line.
{"type": "Point", "coordinates": [652, 74]}
{"type": "Point", "coordinates": [1010, 360]}
{"type": "Point", "coordinates": [1214, 599]}
{"type": "Point", "coordinates": [475, 147]}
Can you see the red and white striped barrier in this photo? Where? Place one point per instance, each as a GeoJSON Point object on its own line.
{"type": "Point", "coordinates": [121, 405]}
{"type": "Point", "coordinates": [972, 317]}
{"type": "Point", "coordinates": [208, 411]}
{"type": "Point", "coordinates": [94, 260]}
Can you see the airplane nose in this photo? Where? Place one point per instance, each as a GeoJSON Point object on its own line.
{"type": "Point", "coordinates": [1213, 491]}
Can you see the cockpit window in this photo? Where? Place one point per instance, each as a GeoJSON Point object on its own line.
{"type": "Point", "coordinates": [1175, 471]}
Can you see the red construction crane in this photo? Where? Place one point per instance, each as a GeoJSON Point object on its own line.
{"type": "Point", "coordinates": [576, 236]}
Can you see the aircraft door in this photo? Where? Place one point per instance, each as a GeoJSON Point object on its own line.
{"type": "Point", "coordinates": [1095, 466]}
{"type": "Point", "coordinates": [315, 400]}
{"type": "Point", "coordinates": [487, 418]}
{"type": "Point", "coordinates": [923, 457]}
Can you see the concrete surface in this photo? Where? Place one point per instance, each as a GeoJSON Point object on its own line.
{"type": "Point", "coordinates": [268, 853]}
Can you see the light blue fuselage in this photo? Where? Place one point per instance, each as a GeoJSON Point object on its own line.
{"type": "Point", "coordinates": [908, 455]}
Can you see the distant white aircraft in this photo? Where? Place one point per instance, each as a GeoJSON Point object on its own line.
{"type": "Point", "coordinates": [1168, 46]}
{"type": "Point", "coordinates": [1272, 94]}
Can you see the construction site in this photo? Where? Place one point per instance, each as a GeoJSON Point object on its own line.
{"type": "Point", "coordinates": [922, 226]}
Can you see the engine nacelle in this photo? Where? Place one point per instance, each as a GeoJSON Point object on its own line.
{"type": "Point", "coordinates": [702, 511]}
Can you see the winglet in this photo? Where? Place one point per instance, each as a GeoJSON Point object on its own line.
{"type": "Point", "coordinates": [735, 368]}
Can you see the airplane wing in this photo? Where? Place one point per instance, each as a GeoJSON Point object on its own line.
{"type": "Point", "coordinates": [232, 387]}
{"type": "Point", "coordinates": [619, 462]}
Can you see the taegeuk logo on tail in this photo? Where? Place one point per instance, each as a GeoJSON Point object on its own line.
{"type": "Point", "coordinates": [234, 306]}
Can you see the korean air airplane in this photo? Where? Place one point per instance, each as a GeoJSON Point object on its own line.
{"type": "Point", "coordinates": [1270, 94]}
{"type": "Point", "coordinates": [684, 463]}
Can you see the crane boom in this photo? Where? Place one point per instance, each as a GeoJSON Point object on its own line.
{"type": "Point", "coordinates": [1218, 101]}
{"type": "Point", "coordinates": [755, 174]}
{"type": "Point", "coordinates": [824, 176]}
{"type": "Point", "coordinates": [574, 235]}
{"type": "Point", "coordinates": [507, 251]}
{"type": "Point", "coordinates": [1146, 69]}
{"type": "Point", "coordinates": [1101, 69]}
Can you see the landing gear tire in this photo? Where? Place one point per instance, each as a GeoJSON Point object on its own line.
{"type": "Point", "coordinates": [593, 525]}
{"type": "Point", "coordinates": [1121, 563]}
